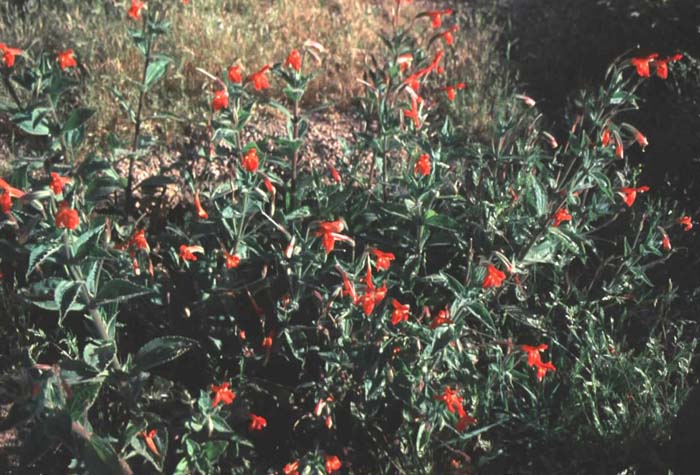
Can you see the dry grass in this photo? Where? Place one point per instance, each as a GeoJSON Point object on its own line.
{"type": "Point", "coordinates": [213, 34]}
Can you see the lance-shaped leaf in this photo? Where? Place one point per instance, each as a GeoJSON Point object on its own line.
{"type": "Point", "coordinates": [160, 351]}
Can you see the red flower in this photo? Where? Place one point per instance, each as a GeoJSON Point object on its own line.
{"type": "Point", "coordinates": [448, 34]}
{"type": "Point", "coordinates": [13, 192]}
{"type": "Point", "coordinates": [6, 202]}
{"type": "Point", "coordinates": [436, 16]}
{"type": "Point", "coordinates": [222, 394]}
{"type": "Point", "coordinates": [250, 160]}
{"type": "Point", "coordinates": [619, 150]}
{"type": "Point", "coordinates": [442, 318]}
{"type": "Point", "coordinates": [232, 260]}
{"type": "Point", "coordinates": [451, 400]}
{"type": "Point", "coordinates": [148, 438]}
{"type": "Point", "coordinates": [493, 278]}
{"type": "Point", "coordinates": [662, 65]}
{"type": "Point", "coordinates": [348, 287]}
{"type": "Point", "coordinates": [187, 252]}
{"type": "Point", "coordinates": [335, 175]}
{"type": "Point", "coordinates": [383, 259]}
{"type": "Point", "coordinates": [666, 242]}
{"type": "Point", "coordinates": [422, 166]}
{"type": "Point", "coordinates": [234, 74]}
{"type": "Point", "coordinates": [201, 212]}
{"type": "Point", "coordinates": [138, 240]}
{"type": "Point", "coordinates": [642, 64]}
{"type": "Point", "coordinates": [529, 101]}
{"type": "Point", "coordinates": [542, 369]}
{"type": "Point", "coordinates": [413, 112]}
{"type": "Point", "coordinates": [269, 186]}
{"type": "Point", "coordinates": [66, 217]}
{"type": "Point", "coordinates": [605, 138]}
{"type": "Point", "coordinates": [66, 59]}
{"type": "Point", "coordinates": [686, 222]}
{"type": "Point", "coordinates": [220, 100]}
{"type": "Point", "coordinates": [465, 421]}
{"type": "Point", "coordinates": [641, 139]}
{"type": "Point", "coordinates": [404, 61]}
{"type": "Point", "coordinates": [533, 353]}
{"type": "Point", "coordinates": [9, 54]}
{"type": "Point", "coordinates": [560, 216]}
{"type": "Point", "coordinates": [58, 182]}
{"type": "Point", "coordinates": [259, 79]}
{"type": "Point", "coordinates": [332, 463]}
{"type": "Point", "coordinates": [630, 194]}
{"type": "Point", "coordinates": [267, 342]}
{"type": "Point", "coordinates": [257, 422]}
{"type": "Point", "coordinates": [329, 231]}
{"type": "Point", "coordinates": [292, 468]}
{"type": "Point", "coordinates": [400, 313]}
{"type": "Point", "coordinates": [452, 90]}
{"type": "Point", "coordinates": [135, 10]}
{"type": "Point", "coordinates": [294, 60]}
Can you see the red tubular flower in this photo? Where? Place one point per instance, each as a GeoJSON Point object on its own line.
{"type": "Point", "coordinates": [348, 287]}
{"type": "Point", "coordinates": [58, 182]}
{"type": "Point", "coordinates": [642, 64]}
{"type": "Point", "coordinates": [11, 190]}
{"type": "Point", "coordinates": [400, 313]}
{"type": "Point", "coordinates": [332, 464]}
{"type": "Point", "coordinates": [66, 59]}
{"type": "Point", "coordinates": [442, 318]}
{"type": "Point", "coordinates": [148, 438]}
{"type": "Point", "coordinates": [666, 242]}
{"type": "Point", "coordinates": [451, 400]}
{"type": "Point", "coordinates": [465, 420]}
{"type": "Point", "coordinates": [493, 278]}
{"type": "Point", "coordinates": [452, 90]}
{"type": "Point", "coordinates": [629, 195]}
{"type": "Point", "coordinates": [187, 252]}
{"type": "Point", "coordinates": [422, 166]}
{"type": "Point", "coordinates": [294, 60]}
{"type": "Point", "coordinates": [335, 175]}
{"type": "Point", "coordinates": [222, 394]}
{"type": "Point", "coordinates": [234, 74]}
{"type": "Point", "coordinates": [269, 186]}
{"type": "Point", "coordinates": [641, 139]}
{"type": "Point", "coordinates": [687, 223]}
{"type": "Point", "coordinates": [138, 240]}
{"type": "Point", "coordinates": [66, 217]}
{"type": "Point", "coordinates": [404, 61]}
{"type": "Point", "coordinates": [267, 342]}
{"type": "Point", "coordinates": [329, 232]}
{"type": "Point", "coordinates": [9, 54]}
{"type": "Point", "coordinates": [413, 112]}
{"type": "Point", "coordinates": [292, 468]}
{"type": "Point", "coordinates": [436, 16]}
{"type": "Point", "coordinates": [257, 422]}
{"type": "Point", "coordinates": [259, 79]}
{"type": "Point", "coordinates": [250, 160]}
{"type": "Point", "coordinates": [220, 100]}
{"type": "Point", "coordinates": [232, 260]}
{"type": "Point", "coordinates": [448, 35]}
{"type": "Point", "coordinates": [560, 216]}
{"type": "Point", "coordinates": [6, 202]}
{"type": "Point", "coordinates": [542, 369]}
{"type": "Point", "coordinates": [605, 138]}
{"type": "Point", "coordinates": [619, 150]}
{"type": "Point", "coordinates": [135, 9]}
{"type": "Point", "coordinates": [201, 212]}
{"type": "Point", "coordinates": [383, 259]}
{"type": "Point", "coordinates": [533, 353]}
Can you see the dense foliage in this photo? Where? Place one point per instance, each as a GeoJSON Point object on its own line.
{"type": "Point", "coordinates": [427, 303]}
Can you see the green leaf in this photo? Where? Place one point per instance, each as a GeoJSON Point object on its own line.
{"type": "Point", "coordinates": [100, 458]}
{"type": "Point", "coordinates": [542, 253]}
{"type": "Point", "coordinates": [119, 290]}
{"type": "Point", "coordinates": [100, 355]}
{"type": "Point", "coordinates": [83, 397]}
{"type": "Point", "coordinates": [538, 197]}
{"type": "Point", "coordinates": [156, 70]}
{"type": "Point", "coordinates": [39, 254]}
{"type": "Point", "coordinates": [64, 296]}
{"type": "Point", "coordinates": [160, 351]}
{"type": "Point", "coordinates": [34, 123]}
{"type": "Point", "coordinates": [77, 118]}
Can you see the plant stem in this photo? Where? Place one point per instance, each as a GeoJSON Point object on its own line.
{"type": "Point", "coordinates": [137, 125]}
{"type": "Point", "coordinates": [295, 156]}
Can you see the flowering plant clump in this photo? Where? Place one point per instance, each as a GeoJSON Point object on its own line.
{"type": "Point", "coordinates": [428, 303]}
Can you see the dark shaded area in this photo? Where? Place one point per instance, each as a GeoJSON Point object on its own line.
{"type": "Point", "coordinates": [564, 46]}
